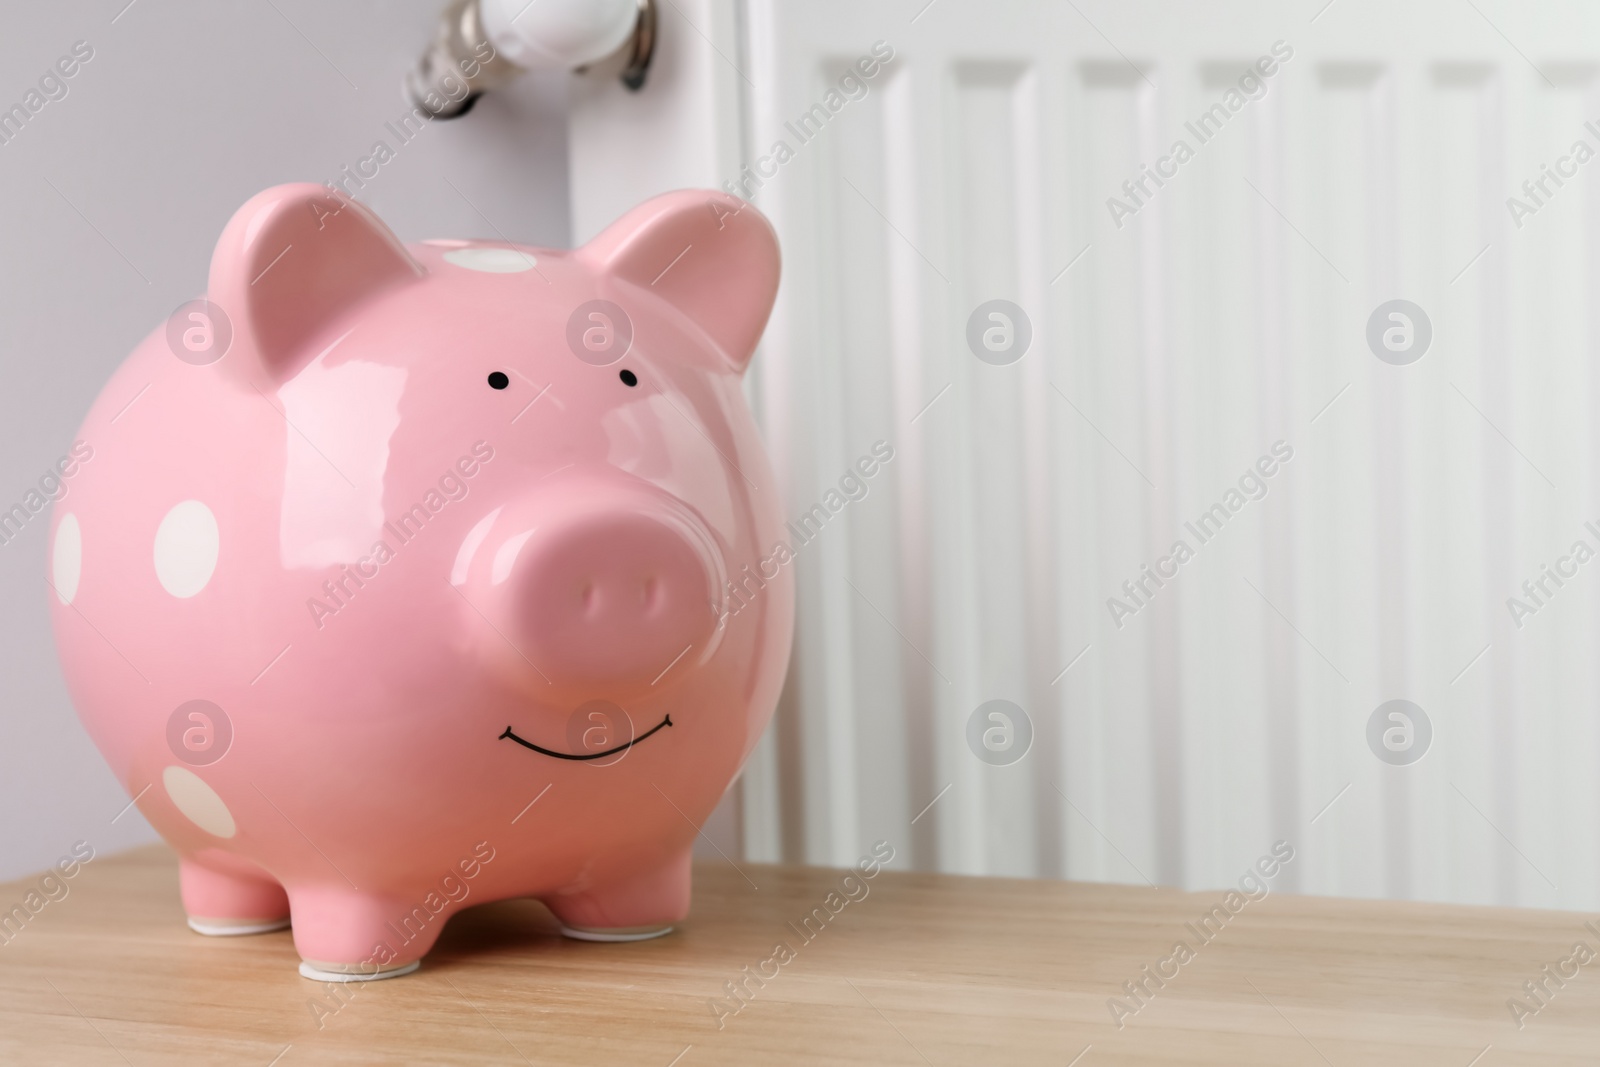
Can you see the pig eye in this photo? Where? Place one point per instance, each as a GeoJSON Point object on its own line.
{"type": "Point", "coordinates": [629, 378]}
{"type": "Point", "coordinates": [498, 380]}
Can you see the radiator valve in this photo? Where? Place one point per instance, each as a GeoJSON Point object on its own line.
{"type": "Point", "coordinates": [483, 44]}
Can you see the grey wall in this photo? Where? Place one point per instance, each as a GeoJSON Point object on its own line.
{"type": "Point", "coordinates": [187, 109]}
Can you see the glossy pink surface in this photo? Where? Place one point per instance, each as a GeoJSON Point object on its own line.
{"type": "Point", "coordinates": [415, 597]}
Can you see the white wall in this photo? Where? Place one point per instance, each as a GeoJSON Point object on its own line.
{"type": "Point", "coordinates": [185, 111]}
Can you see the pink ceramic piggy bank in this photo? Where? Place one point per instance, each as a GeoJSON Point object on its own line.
{"type": "Point", "coordinates": [401, 578]}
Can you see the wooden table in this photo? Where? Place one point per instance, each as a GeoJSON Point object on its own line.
{"type": "Point", "coordinates": [924, 969]}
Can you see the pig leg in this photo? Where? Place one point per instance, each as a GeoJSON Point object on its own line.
{"type": "Point", "coordinates": [242, 899]}
{"type": "Point", "coordinates": [638, 909]}
{"type": "Point", "coordinates": [344, 935]}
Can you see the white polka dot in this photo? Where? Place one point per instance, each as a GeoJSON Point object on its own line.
{"type": "Point", "coordinates": [66, 562]}
{"type": "Point", "coordinates": [198, 801]}
{"type": "Point", "coordinates": [492, 260]}
{"type": "Point", "coordinates": [186, 548]}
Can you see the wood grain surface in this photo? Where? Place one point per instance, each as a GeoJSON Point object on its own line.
{"type": "Point", "coordinates": [923, 969]}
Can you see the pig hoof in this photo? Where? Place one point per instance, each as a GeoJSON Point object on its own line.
{"type": "Point", "coordinates": [318, 971]}
{"type": "Point", "coordinates": [615, 933]}
{"type": "Point", "coordinates": [236, 927]}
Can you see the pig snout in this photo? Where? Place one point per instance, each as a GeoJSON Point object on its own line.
{"type": "Point", "coordinates": [605, 588]}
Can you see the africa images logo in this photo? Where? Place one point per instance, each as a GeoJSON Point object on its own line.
{"type": "Point", "coordinates": [453, 485]}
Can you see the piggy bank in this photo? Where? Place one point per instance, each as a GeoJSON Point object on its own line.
{"type": "Point", "coordinates": [404, 578]}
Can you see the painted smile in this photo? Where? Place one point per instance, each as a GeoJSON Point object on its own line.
{"type": "Point", "coordinates": [666, 721]}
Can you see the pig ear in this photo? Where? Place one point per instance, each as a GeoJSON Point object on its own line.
{"type": "Point", "coordinates": [712, 256]}
{"type": "Point", "coordinates": [292, 260]}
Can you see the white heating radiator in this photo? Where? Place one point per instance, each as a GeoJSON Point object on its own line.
{"type": "Point", "coordinates": [1175, 737]}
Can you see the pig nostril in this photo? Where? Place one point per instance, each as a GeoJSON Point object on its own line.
{"type": "Point", "coordinates": [591, 599]}
{"type": "Point", "coordinates": [647, 594]}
